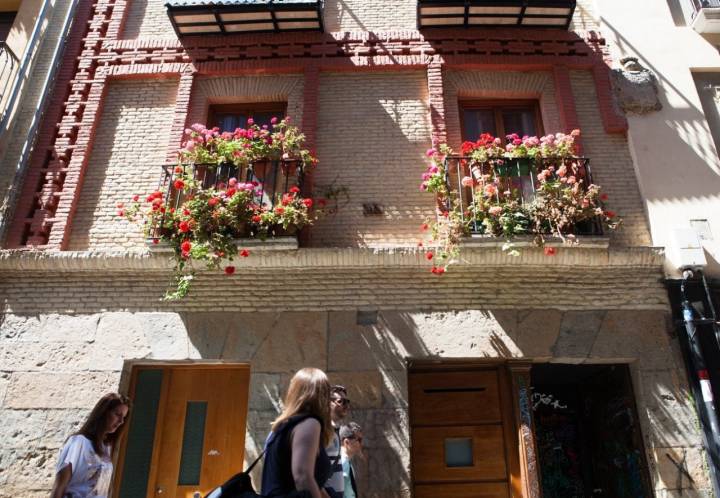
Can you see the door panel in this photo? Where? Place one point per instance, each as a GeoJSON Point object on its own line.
{"type": "Point", "coordinates": [429, 452]}
{"type": "Point", "coordinates": [446, 399]}
{"type": "Point", "coordinates": [486, 490]}
{"type": "Point", "coordinates": [202, 431]}
{"type": "Point", "coordinates": [463, 436]}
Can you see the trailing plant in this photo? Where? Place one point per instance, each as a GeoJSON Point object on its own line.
{"type": "Point", "coordinates": [201, 223]}
{"type": "Point", "coordinates": [499, 204]}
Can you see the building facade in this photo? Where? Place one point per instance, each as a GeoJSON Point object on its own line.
{"type": "Point", "coordinates": [504, 376]}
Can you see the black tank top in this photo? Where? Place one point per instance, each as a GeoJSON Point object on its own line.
{"type": "Point", "coordinates": [277, 478]}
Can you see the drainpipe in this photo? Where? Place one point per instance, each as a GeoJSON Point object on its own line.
{"type": "Point", "coordinates": [31, 135]}
{"type": "Point", "coordinates": [706, 405]}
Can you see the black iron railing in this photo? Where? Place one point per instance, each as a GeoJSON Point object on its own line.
{"type": "Point", "coordinates": [271, 179]}
{"type": "Point", "coordinates": [518, 176]}
{"type": "Point", "coordinates": [8, 69]}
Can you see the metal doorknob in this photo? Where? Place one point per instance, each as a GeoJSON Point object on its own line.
{"type": "Point", "coordinates": [197, 494]}
{"type": "Point", "coordinates": [159, 490]}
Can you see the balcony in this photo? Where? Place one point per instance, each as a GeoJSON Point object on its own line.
{"type": "Point", "coordinates": [270, 180]}
{"type": "Point", "coordinates": [706, 16]}
{"type": "Point", "coordinates": [514, 183]}
{"type": "Point", "coordinates": [8, 70]}
{"type": "Point", "coordinates": [205, 17]}
{"type": "Point", "coordinates": [505, 13]}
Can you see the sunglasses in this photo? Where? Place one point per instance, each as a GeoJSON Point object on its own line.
{"type": "Point", "coordinates": [342, 401]}
{"type": "Point", "coordinates": [355, 438]}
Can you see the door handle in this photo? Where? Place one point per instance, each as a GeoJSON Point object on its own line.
{"type": "Point", "coordinates": [159, 490]}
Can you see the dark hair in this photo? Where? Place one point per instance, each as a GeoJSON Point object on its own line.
{"type": "Point", "coordinates": [338, 389]}
{"type": "Point", "coordinates": [94, 425]}
{"type": "Point", "coordinates": [349, 430]}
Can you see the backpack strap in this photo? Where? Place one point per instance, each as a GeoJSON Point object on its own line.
{"type": "Point", "coordinates": [252, 465]}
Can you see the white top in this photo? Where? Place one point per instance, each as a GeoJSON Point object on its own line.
{"type": "Point", "coordinates": [91, 474]}
{"type": "Point", "coordinates": [335, 483]}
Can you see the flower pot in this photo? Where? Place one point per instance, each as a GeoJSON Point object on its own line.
{"type": "Point", "coordinates": [521, 166]}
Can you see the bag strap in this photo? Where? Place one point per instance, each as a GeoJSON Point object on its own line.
{"type": "Point", "coordinates": [249, 469]}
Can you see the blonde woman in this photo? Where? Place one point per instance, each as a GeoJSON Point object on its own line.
{"type": "Point", "coordinates": [295, 458]}
{"type": "Point", "coordinates": [84, 468]}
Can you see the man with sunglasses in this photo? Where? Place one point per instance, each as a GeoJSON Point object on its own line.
{"type": "Point", "coordinates": [351, 440]}
{"type": "Point", "coordinates": [339, 408]}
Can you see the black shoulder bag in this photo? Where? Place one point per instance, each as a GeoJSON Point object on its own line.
{"type": "Point", "coordinates": [238, 486]}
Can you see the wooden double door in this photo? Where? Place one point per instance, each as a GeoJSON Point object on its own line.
{"type": "Point", "coordinates": [187, 430]}
{"type": "Point", "coordinates": [464, 433]}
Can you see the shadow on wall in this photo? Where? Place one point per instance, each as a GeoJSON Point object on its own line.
{"type": "Point", "coordinates": [694, 166]}
{"type": "Point", "coordinates": [368, 355]}
{"type": "Point", "coordinates": [366, 352]}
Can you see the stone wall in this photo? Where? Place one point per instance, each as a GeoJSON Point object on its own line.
{"type": "Point", "coordinates": [54, 366]}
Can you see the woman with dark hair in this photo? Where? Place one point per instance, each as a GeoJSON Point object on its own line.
{"type": "Point", "coordinates": [84, 468]}
{"type": "Point", "coordinates": [295, 460]}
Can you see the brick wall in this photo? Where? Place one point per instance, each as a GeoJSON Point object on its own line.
{"type": "Point", "coordinates": [246, 89]}
{"type": "Point", "coordinates": [461, 85]}
{"type": "Point", "coordinates": [54, 366]}
{"type": "Point", "coordinates": [585, 18]}
{"type": "Point", "coordinates": [374, 15]}
{"type": "Point", "coordinates": [612, 165]}
{"type": "Point", "coordinates": [373, 131]}
{"type": "Point", "coordinates": [128, 151]}
{"type": "Point", "coordinates": [146, 19]}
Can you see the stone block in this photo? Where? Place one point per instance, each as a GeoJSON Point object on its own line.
{"type": "Point", "coordinates": [537, 332]}
{"type": "Point", "coordinates": [395, 389]}
{"type": "Point", "coordinates": [29, 469]}
{"type": "Point", "coordinates": [463, 334]}
{"type": "Point", "coordinates": [578, 330]}
{"type": "Point", "coordinates": [669, 474]}
{"type": "Point", "coordinates": [60, 424]}
{"type": "Point", "coordinates": [120, 336]}
{"type": "Point", "coordinates": [22, 357]}
{"type": "Point", "coordinates": [383, 428]}
{"type": "Point", "coordinates": [388, 473]}
{"type": "Point", "coordinates": [21, 428]}
{"type": "Point", "coordinates": [266, 392]}
{"type": "Point", "coordinates": [684, 493]}
{"type": "Point", "coordinates": [49, 328]}
{"type": "Point", "coordinates": [59, 390]}
{"type": "Point", "coordinates": [4, 381]}
{"type": "Point", "coordinates": [166, 335]}
{"type": "Point", "coordinates": [364, 347]}
{"type": "Point", "coordinates": [666, 409]}
{"type": "Point", "coordinates": [638, 334]}
{"type": "Point", "coordinates": [364, 388]}
{"type": "Point", "coordinates": [294, 341]}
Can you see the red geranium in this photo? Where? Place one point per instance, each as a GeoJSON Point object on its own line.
{"type": "Point", "coordinates": [244, 253]}
{"type": "Point", "coordinates": [184, 227]}
{"type": "Point", "coordinates": [308, 203]}
{"type": "Point", "coordinates": [179, 184]}
{"type": "Point", "coordinates": [229, 270]}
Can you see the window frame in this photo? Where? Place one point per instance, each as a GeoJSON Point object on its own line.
{"type": "Point", "coordinates": [498, 106]}
{"type": "Point", "coordinates": [245, 108]}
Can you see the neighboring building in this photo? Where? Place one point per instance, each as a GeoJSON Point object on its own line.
{"type": "Point", "coordinates": [444, 372]}
{"type": "Point", "coordinates": [32, 41]}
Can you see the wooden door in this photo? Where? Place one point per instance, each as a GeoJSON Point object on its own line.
{"type": "Point", "coordinates": [463, 437]}
{"type": "Point", "coordinates": [200, 435]}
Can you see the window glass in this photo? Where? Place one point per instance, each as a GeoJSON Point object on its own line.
{"type": "Point", "coordinates": [520, 121]}
{"type": "Point", "coordinates": [499, 119]}
{"type": "Point", "coordinates": [230, 117]}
